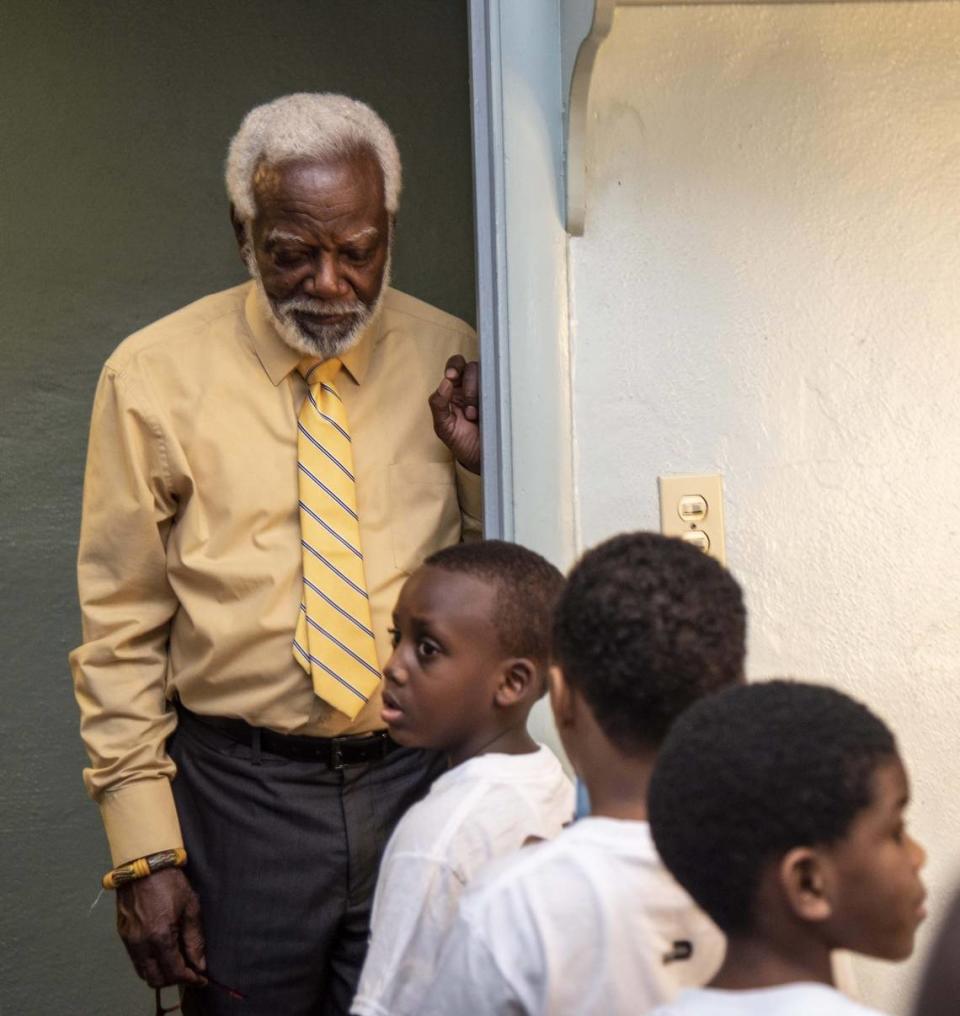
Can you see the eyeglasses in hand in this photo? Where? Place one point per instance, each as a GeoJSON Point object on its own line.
{"type": "Point", "coordinates": [162, 1010]}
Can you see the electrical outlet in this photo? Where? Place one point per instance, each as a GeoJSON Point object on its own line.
{"type": "Point", "coordinates": [691, 508]}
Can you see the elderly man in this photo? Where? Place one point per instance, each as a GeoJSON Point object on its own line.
{"type": "Point", "coordinates": [263, 470]}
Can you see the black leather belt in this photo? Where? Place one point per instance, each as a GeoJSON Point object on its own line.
{"type": "Point", "coordinates": [335, 752]}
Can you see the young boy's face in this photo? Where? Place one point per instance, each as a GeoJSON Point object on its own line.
{"type": "Point", "coordinates": [878, 894]}
{"type": "Point", "coordinates": [442, 676]}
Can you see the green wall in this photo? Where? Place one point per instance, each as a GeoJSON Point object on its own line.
{"type": "Point", "coordinates": [114, 121]}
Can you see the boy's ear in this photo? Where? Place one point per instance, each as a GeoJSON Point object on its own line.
{"type": "Point", "coordinates": [519, 679]}
{"type": "Point", "coordinates": [805, 883]}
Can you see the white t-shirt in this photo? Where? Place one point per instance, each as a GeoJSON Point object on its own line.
{"type": "Point", "coordinates": [788, 1000]}
{"type": "Point", "coordinates": [483, 809]}
{"type": "Point", "coordinates": [589, 923]}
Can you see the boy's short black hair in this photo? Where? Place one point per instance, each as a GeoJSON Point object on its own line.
{"type": "Point", "coordinates": [527, 588]}
{"type": "Point", "coordinates": [645, 626]}
{"type": "Point", "coordinates": [747, 775]}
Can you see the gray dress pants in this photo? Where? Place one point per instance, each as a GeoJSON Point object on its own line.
{"type": "Point", "coordinates": [284, 856]}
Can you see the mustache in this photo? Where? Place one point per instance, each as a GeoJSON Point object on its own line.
{"type": "Point", "coordinates": [320, 307]}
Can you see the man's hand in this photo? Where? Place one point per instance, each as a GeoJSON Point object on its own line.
{"type": "Point", "coordinates": [158, 918]}
{"type": "Point", "coordinates": [456, 411]}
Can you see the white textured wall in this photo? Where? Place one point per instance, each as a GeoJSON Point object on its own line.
{"type": "Point", "coordinates": [769, 287]}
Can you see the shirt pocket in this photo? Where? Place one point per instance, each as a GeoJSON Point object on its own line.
{"type": "Point", "coordinates": [424, 511]}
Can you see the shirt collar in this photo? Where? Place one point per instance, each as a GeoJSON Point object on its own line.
{"type": "Point", "coordinates": [278, 359]}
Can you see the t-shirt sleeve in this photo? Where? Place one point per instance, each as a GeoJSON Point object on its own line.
{"type": "Point", "coordinates": [414, 907]}
{"type": "Point", "coordinates": [469, 979]}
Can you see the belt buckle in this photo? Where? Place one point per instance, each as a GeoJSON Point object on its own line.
{"type": "Point", "coordinates": [336, 755]}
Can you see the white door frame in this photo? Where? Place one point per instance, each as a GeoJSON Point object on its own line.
{"type": "Point", "coordinates": [489, 209]}
{"type": "Point", "coordinates": [522, 301]}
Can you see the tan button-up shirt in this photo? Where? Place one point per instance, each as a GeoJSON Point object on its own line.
{"type": "Point", "coordinates": [190, 561]}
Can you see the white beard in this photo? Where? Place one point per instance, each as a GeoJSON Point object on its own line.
{"type": "Point", "coordinates": [329, 340]}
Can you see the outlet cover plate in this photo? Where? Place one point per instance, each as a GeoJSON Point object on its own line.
{"type": "Point", "coordinates": [682, 513]}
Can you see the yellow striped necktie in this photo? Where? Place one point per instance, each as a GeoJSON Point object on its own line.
{"type": "Point", "coordinates": [334, 638]}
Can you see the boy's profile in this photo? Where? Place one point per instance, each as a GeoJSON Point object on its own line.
{"type": "Point", "coordinates": [779, 807]}
{"type": "Point", "coordinates": [592, 922]}
{"type": "Point", "coordinates": [470, 659]}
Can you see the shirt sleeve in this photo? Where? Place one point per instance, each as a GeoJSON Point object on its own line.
{"type": "Point", "coordinates": [470, 496]}
{"type": "Point", "coordinates": [469, 979]}
{"type": "Point", "coordinates": [414, 907]}
{"type": "Point", "coordinates": [126, 604]}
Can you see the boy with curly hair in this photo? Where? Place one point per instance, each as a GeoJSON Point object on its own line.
{"type": "Point", "coordinates": [592, 922]}
{"type": "Point", "coordinates": [779, 808]}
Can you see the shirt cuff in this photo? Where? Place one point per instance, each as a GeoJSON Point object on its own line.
{"type": "Point", "coordinates": [367, 1007]}
{"type": "Point", "coordinates": [140, 818]}
{"type": "Point", "coordinates": [470, 496]}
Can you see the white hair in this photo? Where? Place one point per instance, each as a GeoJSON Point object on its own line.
{"type": "Point", "coordinates": [308, 125]}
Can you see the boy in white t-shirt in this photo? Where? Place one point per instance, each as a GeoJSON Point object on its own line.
{"type": "Point", "coordinates": [779, 807]}
{"type": "Point", "coordinates": [592, 922]}
{"type": "Point", "coordinates": [471, 650]}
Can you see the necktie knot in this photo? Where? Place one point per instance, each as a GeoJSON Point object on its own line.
{"type": "Point", "coordinates": [316, 372]}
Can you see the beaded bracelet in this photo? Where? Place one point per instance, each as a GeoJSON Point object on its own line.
{"type": "Point", "coordinates": [144, 866]}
